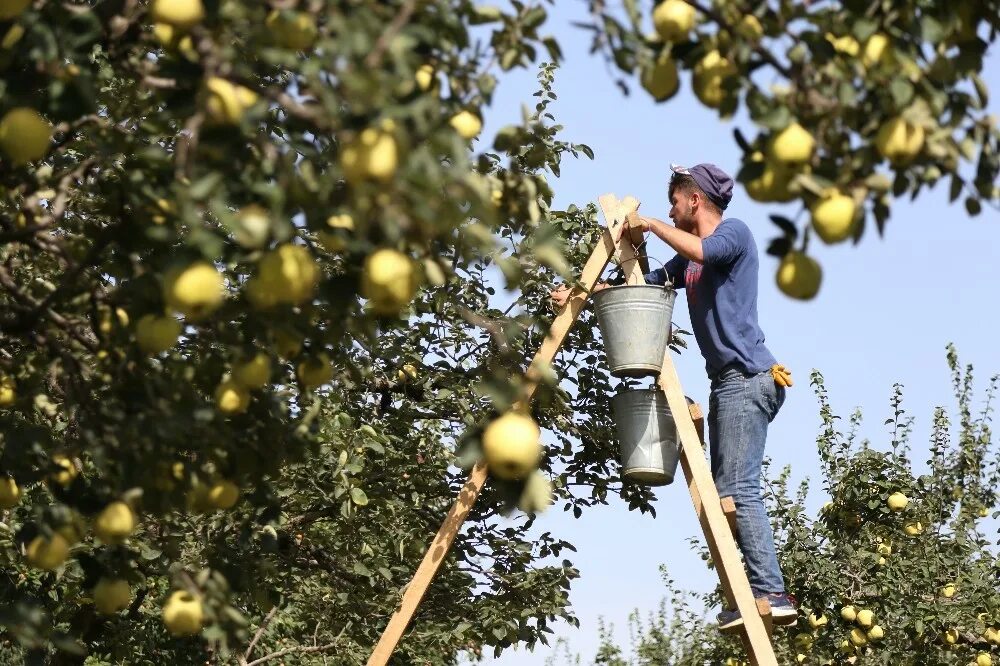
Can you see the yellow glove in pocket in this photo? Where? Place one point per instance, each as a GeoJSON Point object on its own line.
{"type": "Point", "coordinates": [782, 375]}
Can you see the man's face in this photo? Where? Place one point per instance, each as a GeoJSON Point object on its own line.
{"type": "Point", "coordinates": [681, 211]}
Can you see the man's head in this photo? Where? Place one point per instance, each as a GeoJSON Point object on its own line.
{"type": "Point", "coordinates": [704, 189]}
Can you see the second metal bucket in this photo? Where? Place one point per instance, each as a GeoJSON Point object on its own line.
{"type": "Point", "coordinates": [635, 324]}
{"type": "Point", "coordinates": [648, 436]}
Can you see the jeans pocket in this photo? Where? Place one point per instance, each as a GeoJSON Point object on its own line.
{"type": "Point", "coordinates": [771, 395]}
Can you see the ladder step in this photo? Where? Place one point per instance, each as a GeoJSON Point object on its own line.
{"type": "Point", "coordinates": [699, 419]}
{"type": "Point", "coordinates": [729, 508]}
{"type": "Point", "coordinates": [764, 610]}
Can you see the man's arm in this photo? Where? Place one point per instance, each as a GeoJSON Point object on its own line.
{"type": "Point", "coordinates": [685, 244]}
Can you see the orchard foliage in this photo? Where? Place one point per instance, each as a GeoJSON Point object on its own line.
{"type": "Point", "coordinates": [856, 103]}
{"type": "Point", "coordinates": [226, 230]}
{"type": "Point", "coordinates": [250, 328]}
{"type": "Point", "coordinates": [913, 583]}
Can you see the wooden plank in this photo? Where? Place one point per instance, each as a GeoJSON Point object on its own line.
{"type": "Point", "coordinates": [446, 534]}
{"type": "Point", "coordinates": [589, 278]}
{"type": "Point", "coordinates": [636, 236]}
{"type": "Point", "coordinates": [615, 213]}
{"type": "Point", "coordinates": [717, 533]}
{"type": "Point", "coordinates": [632, 219]}
{"type": "Point", "coordinates": [634, 228]}
{"type": "Point", "coordinates": [698, 417]}
{"type": "Point", "coordinates": [729, 508]}
{"type": "Point", "coordinates": [713, 547]}
{"type": "Point", "coordinates": [433, 558]}
{"type": "Point", "coordinates": [764, 610]}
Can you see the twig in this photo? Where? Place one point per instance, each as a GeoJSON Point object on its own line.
{"type": "Point", "coordinates": [256, 636]}
{"type": "Point", "coordinates": [374, 59]}
{"type": "Point", "coordinates": [293, 650]}
{"type": "Point", "coordinates": [186, 143]}
{"type": "Point", "coordinates": [493, 328]}
{"type": "Point", "coordinates": [62, 193]}
{"type": "Point", "coordinates": [159, 82]}
{"type": "Point", "coordinates": [764, 53]}
{"type": "Point", "coordinates": [302, 650]}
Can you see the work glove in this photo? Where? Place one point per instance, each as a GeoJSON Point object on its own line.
{"type": "Point", "coordinates": [782, 375]}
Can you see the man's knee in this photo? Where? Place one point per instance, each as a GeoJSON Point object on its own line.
{"type": "Point", "coordinates": [745, 495]}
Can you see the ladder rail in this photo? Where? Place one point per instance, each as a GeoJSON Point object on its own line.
{"type": "Point", "coordinates": [614, 215]}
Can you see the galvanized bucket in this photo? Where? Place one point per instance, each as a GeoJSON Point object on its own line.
{"type": "Point", "coordinates": [648, 436]}
{"type": "Point", "coordinates": [635, 324]}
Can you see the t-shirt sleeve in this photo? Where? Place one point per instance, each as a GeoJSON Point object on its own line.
{"type": "Point", "coordinates": [675, 269]}
{"type": "Point", "coordinates": [658, 276]}
{"type": "Point", "coordinates": [725, 244]}
{"type": "Point", "coordinates": [673, 272]}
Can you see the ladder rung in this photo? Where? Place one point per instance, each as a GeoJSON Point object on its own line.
{"type": "Point", "coordinates": [729, 508]}
{"type": "Point", "coordinates": [764, 610]}
{"type": "Point", "coordinates": [699, 419]}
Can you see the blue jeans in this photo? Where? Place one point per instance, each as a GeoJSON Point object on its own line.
{"type": "Point", "coordinates": [740, 408]}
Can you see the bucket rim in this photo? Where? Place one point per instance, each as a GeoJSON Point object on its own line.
{"type": "Point", "coordinates": [664, 287]}
{"type": "Point", "coordinates": [625, 395]}
{"type": "Point", "coordinates": [636, 389]}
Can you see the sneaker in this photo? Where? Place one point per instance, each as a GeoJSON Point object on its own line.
{"type": "Point", "coordinates": [784, 610]}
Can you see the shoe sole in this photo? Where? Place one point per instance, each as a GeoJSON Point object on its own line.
{"type": "Point", "coordinates": [789, 616]}
{"type": "Point", "coordinates": [781, 618]}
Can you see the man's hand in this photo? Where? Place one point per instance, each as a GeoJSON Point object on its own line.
{"type": "Point", "coordinates": [561, 294]}
{"type": "Point", "coordinates": [636, 225]}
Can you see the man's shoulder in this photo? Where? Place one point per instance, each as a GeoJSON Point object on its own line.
{"type": "Point", "coordinates": [736, 228]}
{"type": "Point", "coordinates": [736, 223]}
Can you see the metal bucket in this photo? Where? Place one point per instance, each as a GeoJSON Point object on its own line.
{"type": "Point", "coordinates": [635, 324]}
{"type": "Point", "coordinates": [648, 436]}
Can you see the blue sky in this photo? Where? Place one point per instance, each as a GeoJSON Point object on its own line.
{"type": "Point", "coordinates": [885, 312]}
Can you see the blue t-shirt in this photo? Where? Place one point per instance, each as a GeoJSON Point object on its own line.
{"type": "Point", "coordinates": [722, 299]}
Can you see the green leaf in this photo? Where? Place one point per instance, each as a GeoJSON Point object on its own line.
{"type": "Point", "coordinates": [509, 59]}
{"type": "Point", "coordinates": [776, 119]}
{"type": "Point", "coordinates": [552, 46]}
{"type": "Point", "coordinates": [973, 206]}
{"type": "Point", "coordinates": [485, 14]}
{"type": "Point", "coordinates": [534, 17]}
{"type": "Point", "coordinates": [878, 182]}
{"type": "Point", "coordinates": [786, 225]}
{"type": "Point", "coordinates": [957, 184]}
{"type": "Point", "coordinates": [204, 186]}
{"type": "Point", "coordinates": [779, 246]}
{"type": "Point", "coordinates": [981, 90]}
{"type": "Point", "coordinates": [847, 94]}
{"type": "Point", "coordinates": [359, 497]}
{"type": "Point", "coordinates": [864, 28]}
{"type": "Point", "coordinates": [901, 91]}
{"type": "Point", "coordinates": [931, 29]}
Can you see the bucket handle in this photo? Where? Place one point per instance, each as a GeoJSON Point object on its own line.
{"type": "Point", "coordinates": [666, 285]}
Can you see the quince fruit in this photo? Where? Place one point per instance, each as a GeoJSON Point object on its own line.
{"type": "Point", "coordinates": [512, 446]}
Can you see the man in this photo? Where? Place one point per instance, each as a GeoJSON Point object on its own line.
{"type": "Point", "coordinates": [717, 264]}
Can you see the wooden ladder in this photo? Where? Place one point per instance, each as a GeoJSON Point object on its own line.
{"type": "Point", "coordinates": [717, 516]}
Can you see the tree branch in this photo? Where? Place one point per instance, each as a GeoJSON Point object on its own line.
{"type": "Point", "coordinates": [760, 50]}
{"type": "Point", "coordinates": [375, 57]}
{"type": "Point", "coordinates": [295, 650]}
{"type": "Point", "coordinates": [256, 636]}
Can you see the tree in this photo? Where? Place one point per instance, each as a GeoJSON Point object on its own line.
{"type": "Point", "coordinates": [854, 103]}
{"type": "Point", "coordinates": [895, 569]}
{"type": "Point", "coordinates": [221, 384]}
{"type": "Point", "coordinates": [250, 328]}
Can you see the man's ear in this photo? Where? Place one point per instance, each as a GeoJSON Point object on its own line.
{"type": "Point", "coordinates": [696, 200]}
